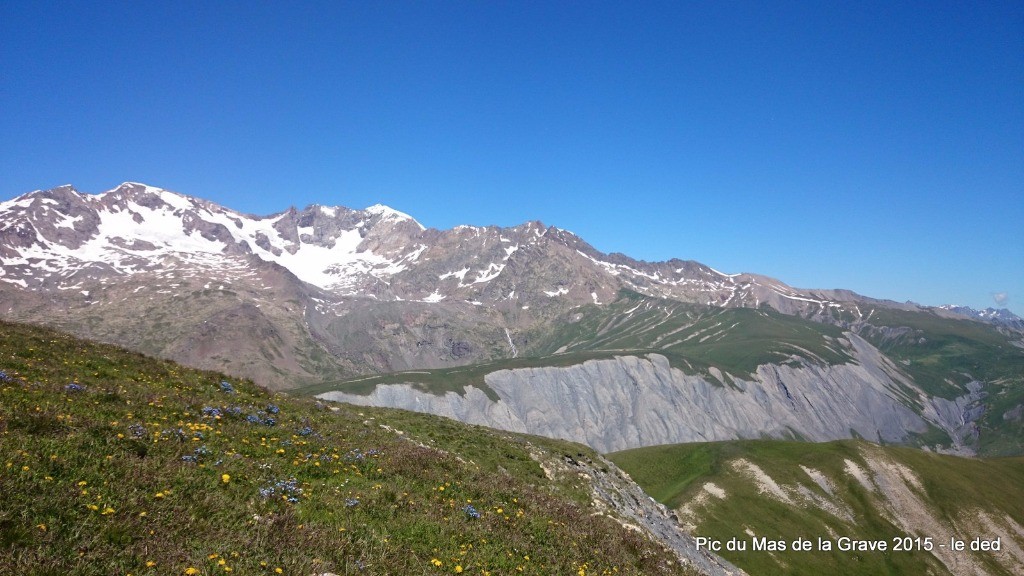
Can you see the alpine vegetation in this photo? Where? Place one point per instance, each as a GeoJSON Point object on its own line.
{"type": "Point", "coordinates": [118, 463]}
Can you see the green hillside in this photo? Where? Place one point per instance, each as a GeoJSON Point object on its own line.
{"type": "Point", "coordinates": [695, 337]}
{"type": "Point", "coordinates": [788, 490]}
{"type": "Point", "coordinates": [117, 463]}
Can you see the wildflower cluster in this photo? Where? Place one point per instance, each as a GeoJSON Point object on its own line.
{"type": "Point", "coordinates": [358, 455]}
{"type": "Point", "coordinates": [258, 419]}
{"type": "Point", "coordinates": [74, 387]}
{"type": "Point", "coordinates": [471, 512]}
{"type": "Point", "coordinates": [350, 502]}
{"type": "Point", "coordinates": [197, 455]}
{"type": "Point", "coordinates": [288, 490]}
{"type": "Point", "coordinates": [170, 433]}
{"type": "Point", "coordinates": [137, 430]}
{"type": "Point", "coordinates": [226, 387]}
{"type": "Point", "coordinates": [4, 377]}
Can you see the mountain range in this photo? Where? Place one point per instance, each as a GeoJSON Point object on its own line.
{"type": "Point", "coordinates": [527, 328]}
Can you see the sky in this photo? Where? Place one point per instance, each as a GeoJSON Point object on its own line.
{"type": "Point", "coordinates": [873, 146]}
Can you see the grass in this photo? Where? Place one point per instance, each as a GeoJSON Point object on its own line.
{"type": "Point", "coordinates": [117, 463]}
{"type": "Point", "coordinates": [953, 488]}
{"type": "Point", "coordinates": [942, 353]}
{"type": "Point", "coordinates": [695, 337]}
{"type": "Point", "coordinates": [442, 380]}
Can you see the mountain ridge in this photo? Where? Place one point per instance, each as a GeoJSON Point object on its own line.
{"type": "Point", "coordinates": [324, 295]}
{"type": "Point", "coordinates": [359, 250]}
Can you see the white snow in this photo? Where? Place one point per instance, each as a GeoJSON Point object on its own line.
{"type": "Point", "coordinates": [562, 290]}
{"type": "Point", "coordinates": [67, 221]}
{"type": "Point", "coordinates": [515, 352]}
{"type": "Point", "coordinates": [490, 273]}
{"type": "Point", "coordinates": [822, 302]}
{"type": "Point", "coordinates": [719, 273]}
{"type": "Point", "coordinates": [460, 274]}
{"type": "Point", "coordinates": [434, 297]}
{"type": "Point", "coordinates": [389, 213]}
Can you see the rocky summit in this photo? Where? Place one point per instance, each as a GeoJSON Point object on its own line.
{"type": "Point", "coordinates": [527, 328]}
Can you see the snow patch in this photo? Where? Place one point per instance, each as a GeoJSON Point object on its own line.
{"type": "Point", "coordinates": [490, 273]}
{"type": "Point", "coordinates": [460, 274]}
{"type": "Point", "coordinates": [434, 297]}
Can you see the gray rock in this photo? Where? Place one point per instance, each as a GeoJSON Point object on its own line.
{"type": "Point", "coordinates": [631, 401]}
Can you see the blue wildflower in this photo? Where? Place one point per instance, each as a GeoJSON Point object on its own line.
{"type": "Point", "coordinates": [290, 489]}
{"type": "Point", "coordinates": [226, 386]}
{"type": "Point", "coordinates": [305, 431]}
{"type": "Point", "coordinates": [350, 502]}
{"type": "Point", "coordinates": [272, 409]}
{"type": "Point", "coordinates": [471, 512]}
{"type": "Point", "coordinates": [354, 456]}
{"type": "Point", "coordinates": [137, 430]}
{"type": "Point", "coordinates": [74, 387]}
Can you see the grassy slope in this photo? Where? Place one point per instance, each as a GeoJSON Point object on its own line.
{"type": "Point", "coordinates": [942, 354]}
{"type": "Point", "coordinates": [101, 480]}
{"type": "Point", "coordinates": [734, 340]}
{"type": "Point", "coordinates": [953, 487]}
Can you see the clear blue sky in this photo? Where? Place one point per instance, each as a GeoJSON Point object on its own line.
{"type": "Point", "coordinates": [871, 146]}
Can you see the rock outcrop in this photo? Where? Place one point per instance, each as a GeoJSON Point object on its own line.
{"type": "Point", "coordinates": [632, 401]}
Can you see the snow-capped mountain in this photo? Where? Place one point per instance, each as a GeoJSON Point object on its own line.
{"type": "Point", "coordinates": [997, 316]}
{"type": "Point", "coordinates": [61, 239]}
{"type": "Point", "coordinates": [629, 352]}
{"type": "Point", "coordinates": [328, 291]}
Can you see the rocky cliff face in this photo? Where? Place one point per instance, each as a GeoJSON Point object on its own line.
{"type": "Point", "coordinates": [633, 401]}
{"type": "Point", "coordinates": [616, 494]}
